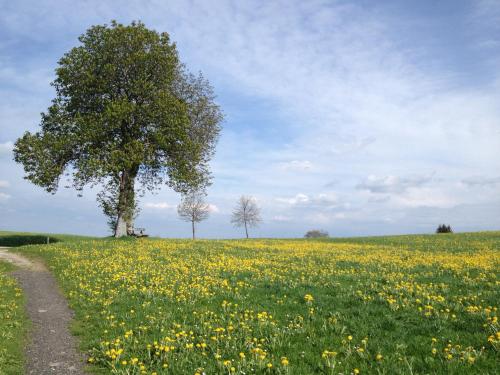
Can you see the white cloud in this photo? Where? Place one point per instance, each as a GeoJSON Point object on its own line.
{"type": "Point", "coordinates": [321, 200]}
{"type": "Point", "coordinates": [393, 184]}
{"type": "Point", "coordinates": [297, 199]}
{"type": "Point", "coordinates": [4, 184]}
{"type": "Point", "coordinates": [164, 206]}
{"type": "Point", "coordinates": [296, 165]}
{"type": "Point", "coordinates": [319, 218]}
{"type": "Point", "coordinates": [325, 217]}
{"type": "Point", "coordinates": [159, 205]}
{"type": "Point", "coordinates": [396, 192]}
{"type": "Point", "coordinates": [324, 200]}
{"type": "Point", "coordinates": [213, 208]}
{"type": "Point", "coordinates": [351, 145]}
{"type": "Point", "coordinates": [425, 197]}
{"type": "Point", "coordinates": [281, 218]}
{"type": "Point", "coordinates": [481, 181]}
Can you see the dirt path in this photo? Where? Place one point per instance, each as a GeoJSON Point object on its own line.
{"type": "Point", "coordinates": [51, 348]}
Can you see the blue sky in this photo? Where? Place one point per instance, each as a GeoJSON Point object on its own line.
{"type": "Point", "coordinates": [359, 118]}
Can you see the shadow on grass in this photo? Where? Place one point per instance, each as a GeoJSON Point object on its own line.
{"type": "Point", "coordinates": [21, 240]}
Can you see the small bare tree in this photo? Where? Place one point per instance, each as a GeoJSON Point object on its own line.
{"type": "Point", "coordinates": [193, 209]}
{"type": "Point", "coordinates": [246, 213]}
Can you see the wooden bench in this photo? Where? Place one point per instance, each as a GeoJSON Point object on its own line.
{"type": "Point", "coordinates": [138, 232]}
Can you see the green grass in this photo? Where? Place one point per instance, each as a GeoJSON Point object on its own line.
{"type": "Point", "coordinates": [399, 293]}
{"type": "Point", "coordinates": [13, 324]}
{"type": "Point", "coordinates": [431, 242]}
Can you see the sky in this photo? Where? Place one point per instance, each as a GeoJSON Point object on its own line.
{"type": "Point", "coordinates": [355, 117]}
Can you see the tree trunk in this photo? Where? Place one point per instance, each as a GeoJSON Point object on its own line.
{"type": "Point", "coordinates": [126, 204]}
{"type": "Point", "coordinates": [192, 224]}
{"type": "Point", "coordinates": [246, 229]}
{"type": "Point", "coordinates": [121, 227]}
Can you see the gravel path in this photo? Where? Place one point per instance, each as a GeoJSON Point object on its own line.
{"type": "Point", "coordinates": [51, 348]}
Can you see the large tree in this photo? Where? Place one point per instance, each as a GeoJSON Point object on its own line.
{"type": "Point", "coordinates": [127, 115]}
{"type": "Point", "coordinates": [246, 213]}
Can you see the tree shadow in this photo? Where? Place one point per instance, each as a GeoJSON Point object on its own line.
{"type": "Point", "coordinates": [21, 240]}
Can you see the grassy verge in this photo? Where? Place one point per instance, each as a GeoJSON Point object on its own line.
{"type": "Point", "coordinates": [13, 324]}
{"type": "Point", "coordinates": [410, 304]}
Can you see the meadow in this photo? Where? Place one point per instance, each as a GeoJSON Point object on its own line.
{"type": "Point", "coordinates": [383, 305]}
{"type": "Point", "coordinates": [13, 323]}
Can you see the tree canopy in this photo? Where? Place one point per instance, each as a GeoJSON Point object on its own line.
{"type": "Point", "coordinates": [126, 110]}
{"type": "Point", "coordinates": [316, 233]}
{"type": "Point", "coordinates": [443, 228]}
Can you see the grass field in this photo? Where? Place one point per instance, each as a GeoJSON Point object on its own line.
{"type": "Point", "coordinates": [13, 323]}
{"type": "Point", "coordinates": [388, 305]}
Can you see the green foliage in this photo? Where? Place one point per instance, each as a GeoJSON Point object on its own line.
{"type": "Point", "coordinates": [126, 109]}
{"type": "Point", "coordinates": [443, 228]}
{"type": "Point", "coordinates": [316, 233]}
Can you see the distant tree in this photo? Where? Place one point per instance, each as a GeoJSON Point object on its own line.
{"type": "Point", "coordinates": [443, 228]}
{"type": "Point", "coordinates": [316, 233]}
{"type": "Point", "coordinates": [246, 213]}
{"type": "Point", "coordinates": [193, 209]}
{"type": "Point", "coordinates": [127, 115]}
